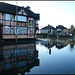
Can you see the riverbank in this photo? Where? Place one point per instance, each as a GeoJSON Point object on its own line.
{"type": "Point", "coordinates": [43, 39]}
{"type": "Point", "coordinates": [53, 38]}
{"type": "Point", "coordinates": [19, 41]}
{"type": "Point", "coordinates": [23, 41]}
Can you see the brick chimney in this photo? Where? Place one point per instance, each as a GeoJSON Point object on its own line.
{"type": "Point", "coordinates": [28, 7]}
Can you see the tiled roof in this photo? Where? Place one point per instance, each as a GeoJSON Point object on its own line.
{"type": "Point", "coordinates": [61, 27]}
{"type": "Point", "coordinates": [11, 9]}
{"type": "Point", "coordinates": [48, 27]}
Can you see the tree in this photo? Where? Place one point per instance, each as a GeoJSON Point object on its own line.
{"type": "Point", "coordinates": [72, 29]}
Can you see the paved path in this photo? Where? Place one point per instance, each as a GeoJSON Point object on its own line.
{"type": "Point", "coordinates": [43, 39]}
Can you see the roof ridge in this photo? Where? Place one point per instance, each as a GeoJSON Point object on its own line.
{"type": "Point", "coordinates": [10, 8]}
{"type": "Point", "coordinates": [9, 4]}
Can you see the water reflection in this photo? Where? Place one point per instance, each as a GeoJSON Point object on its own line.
{"type": "Point", "coordinates": [72, 44]}
{"type": "Point", "coordinates": [55, 58]}
{"type": "Point", "coordinates": [61, 43]}
{"type": "Point", "coordinates": [58, 43]}
{"type": "Point", "coordinates": [18, 58]}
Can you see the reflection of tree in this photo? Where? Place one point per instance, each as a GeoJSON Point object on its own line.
{"type": "Point", "coordinates": [72, 44]}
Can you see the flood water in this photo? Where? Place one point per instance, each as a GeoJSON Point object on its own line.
{"type": "Point", "coordinates": [42, 57]}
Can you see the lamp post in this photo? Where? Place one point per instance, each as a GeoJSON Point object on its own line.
{"type": "Point", "coordinates": [16, 19]}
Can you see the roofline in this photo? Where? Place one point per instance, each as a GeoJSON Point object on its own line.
{"type": "Point", "coordinates": [32, 15]}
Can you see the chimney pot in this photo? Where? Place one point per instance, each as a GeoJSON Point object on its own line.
{"type": "Point", "coordinates": [28, 7]}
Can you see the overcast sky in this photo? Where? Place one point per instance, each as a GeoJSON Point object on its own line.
{"type": "Point", "coordinates": [51, 12]}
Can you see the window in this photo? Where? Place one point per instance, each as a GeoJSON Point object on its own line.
{"type": "Point", "coordinates": [7, 54]}
{"type": "Point", "coordinates": [21, 18]}
{"type": "Point", "coordinates": [7, 17]}
{"type": "Point", "coordinates": [31, 30]}
{"type": "Point", "coordinates": [31, 51]}
{"type": "Point", "coordinates": [7, 30]}
{"type": "Point", "coordinates": [31, 58]}
{"type": "Point", "coordinates": [23, 24]}
{"type": "Point", "coordinates": [21, 30]}
{"type": "Point", "coordinates": [36, 21]}
{"type": "Point", "coordinates": [22, 12]}
{"type": "Point", "coordinates": [21, 52]}
{"type": "Point", "coordinates": [58, 29]}
{"type": "Point", "coordinates": [30, 22]}
{"type": "Point", "coordinates": [20, 64]}
{"type": "Point", "coordinates": [8, 66]}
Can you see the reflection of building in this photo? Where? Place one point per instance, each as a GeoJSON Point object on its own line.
{"type": "Point", "coordinates": [58, 43]}
{"type": "Point", "coordinates": [18, 58]}
{"type": "Point", "coordinates": [61, 43]}
{"type": "Point", "coordinates": [27, 22]}
{"type": "Point", "coordinates": [48, 44]}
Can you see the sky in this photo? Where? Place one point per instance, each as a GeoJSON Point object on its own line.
{"type": "Point", "coordinates": [51, 12]}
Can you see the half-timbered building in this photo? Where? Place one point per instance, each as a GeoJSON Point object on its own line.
{"type": "Point", "coordinates": [17, 20]}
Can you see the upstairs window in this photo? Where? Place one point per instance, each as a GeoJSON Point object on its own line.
{"type": "Point", "coordinates": [58, 29]}
{"type": "Point", "coordinates": [7, 17]}
{"type": "Point", "coordinates": [36, 21]}
{"type": "Point", "coordinates": [21, 18]}
{"type": "Point", "coordinates": [31, 31]}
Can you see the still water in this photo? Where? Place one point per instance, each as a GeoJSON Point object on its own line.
{"type": "Point", "coordinates": [42, 57]}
